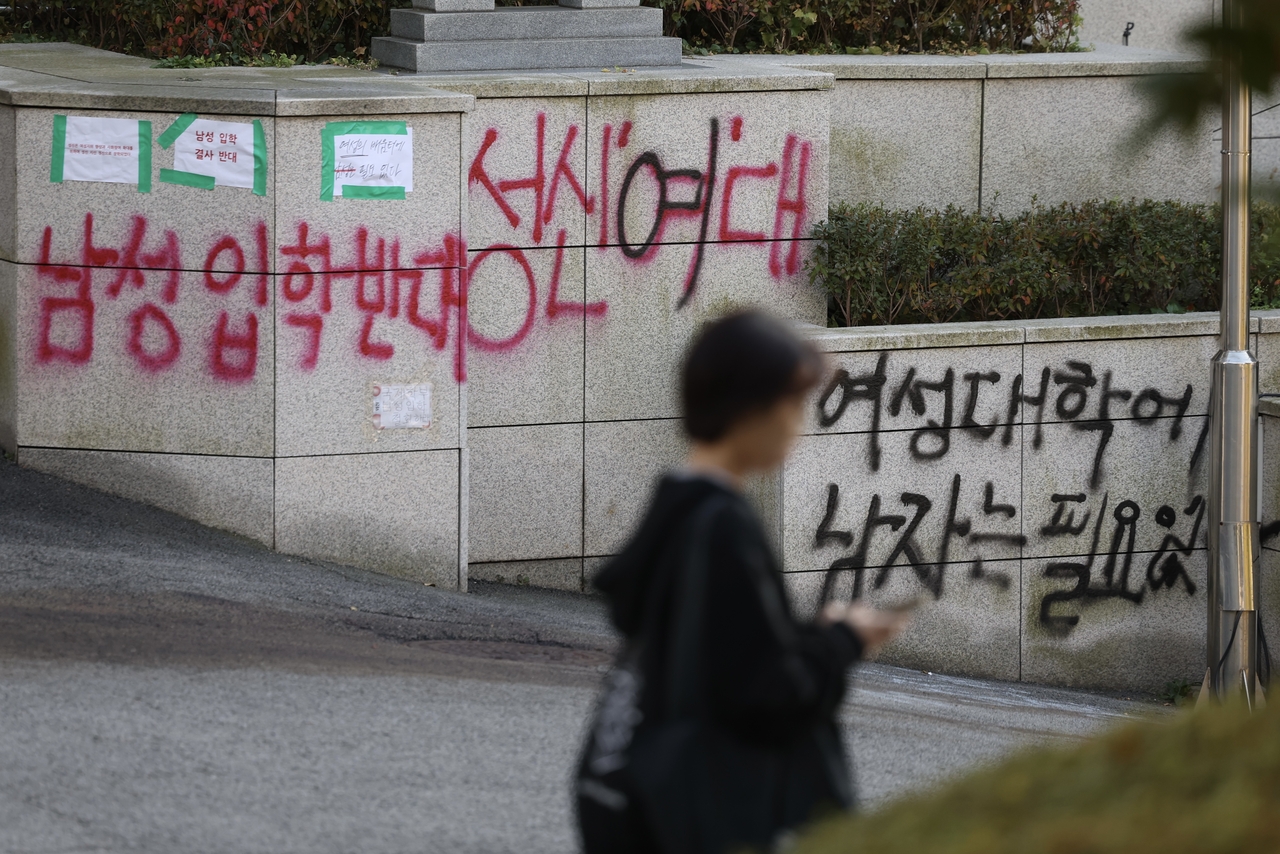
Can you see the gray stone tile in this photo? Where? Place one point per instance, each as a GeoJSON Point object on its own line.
{"type": "Point", "coordinates": [530, 22]}
{"type": "Point", "coordinates": [701, 76]}
{"type": "Point", "coordinates": [1145, 486]}
{"type": "Point", "coordinates": [624, 460]}
{"type": "Point", "coordinates": [838, 506]}
{"type": "Point", "coordinates": [526, 492]}
{"type": "Point", "coordinates": [519, 55]}
{"type": "Point", "coordinates": [561, 574]}
{"type": "Point", "coordinates": [391, 513]}
{"type": "Point", "coordinates": [1104, 60]}
{"type": "Point", "coordinates": [8, 183]}
{"type": "Point", "coordinates": [324, 394]}
{"type": "Point", "coordinates": [525, 362]}
{"type": "Point", "coordinates": [634, 352]}
{"type": "Point", "coordinates": [1128, 326]}
{"type": "Point", "coordinates": [8, 358]}
{"type": "Point", "coordinates": [194, 220]}
{"type": "Point", "coordinates": [235, 494]}
{"type": "Point", "coordinates": [506, 130]}
{"type": "Point", "coordinates": [1106, 641]}
{"type": "Point", "coordinates": [591, 567]}
{"type": "Point", "coordinates": [879, 154]}
{"type": "Point", "coordinates": [906, 389]}
{"type": "Point", "coordinates": [911, 66]}
{"type": "Point", "coordinates": [141, 373]}
{"type": "Point", "coordinates": [416, 225]}
{"type": "Point", "coordinates": [1120, 379]}
{"type": "Point", "coordinates": [973, 629]}
{"type": "Point", "coordinates": [783, 136]}
{"type": "Point", "coordinates": [1067, 140]}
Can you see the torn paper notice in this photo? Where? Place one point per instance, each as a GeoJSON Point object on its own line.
{"type": "Point", "coordinates": [366, 160]}
{"type": "Point", "coordinates": [221, 150]}
{"type": "Point", "coordinates": [398, 407]}
{"type": "Point", "coordinates": [113, 151]}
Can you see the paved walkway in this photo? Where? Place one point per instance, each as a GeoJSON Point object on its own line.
{"type": "Point", "coordinates": [167, 688]}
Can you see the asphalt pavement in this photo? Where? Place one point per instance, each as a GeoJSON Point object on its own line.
{"type": "Point", "coordinates": [169, 688]}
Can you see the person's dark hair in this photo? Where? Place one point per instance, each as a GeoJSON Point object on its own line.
{"type": "Point", "coordinates": [739, 365]}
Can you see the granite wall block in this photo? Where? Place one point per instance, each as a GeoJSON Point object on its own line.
{"type": "Point", "coordinates": [879, 154]}
{"type": "Point", "coordinates": [761, 161]}
{"type": "Point", "coordinates": [526, 492]}
{"type": "Point", "coordinates": [624, 460]}
{"type": "Point", "coordinates": [527, 318]}
{"type": "Point", "coordinates": [526, 167]}
{"type": "Point", "coordinates": [633, 357]}
{"type": "Point", "coordinates": [1102, 636]}
{"type": "Point", "coordinates": [234, 494]}
{"type": "Point", "coordinates": [330, 364]}
{"type": "Point", "coordinates": [395, 513]}
{"type": "Point", "coordinates": [9, 373]}
{"type": "Point", "coordinates": [226, 229]}
{"type": "Point", "coordinates": [137, 360]}
{"type": "Point", "coordinates": [8, 182]}
{"type": "Point", "coordinates": [1067, 140]}
{"type": "Point", "coordinates": [975, 628]}
{"type": "Point", "coordinates": [422, 230]}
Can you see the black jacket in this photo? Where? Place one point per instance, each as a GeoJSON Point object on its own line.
{"type": "Point", "coordinates": [769, 679]}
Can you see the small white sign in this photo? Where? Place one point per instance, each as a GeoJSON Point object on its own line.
{"type": "Point", "coordinates": [221, 150]}
{"type": "Point", "coordinates": [373, 160]}
{"type": "Point", "coordinates": [400, 407]}
{"type": "Point", "coordinates": [103, 150]}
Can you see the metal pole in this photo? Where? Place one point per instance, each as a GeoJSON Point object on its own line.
{"type": "Point", "coordinates": [1234, 548]}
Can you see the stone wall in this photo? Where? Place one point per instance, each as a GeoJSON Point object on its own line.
{"type": "Point", "coordinates": [572, 415]}
{"type": "Point", "coordinates": [1039, 487]}
{"type": "Point", "coordinates": [215, 351]}
{"type": "Point", "coordinates": [995, 132]}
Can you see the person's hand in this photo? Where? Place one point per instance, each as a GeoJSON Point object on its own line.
{"type": "Point", "coordinates": [874, 628]}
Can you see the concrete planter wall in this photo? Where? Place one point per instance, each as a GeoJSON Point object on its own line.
{"type": "Point", "coordinates": [1038, 486]}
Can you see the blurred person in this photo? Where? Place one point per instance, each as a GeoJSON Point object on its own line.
{"type": "Point", "coordinates": [716, 730]}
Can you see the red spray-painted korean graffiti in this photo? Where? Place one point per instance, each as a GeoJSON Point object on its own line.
{"type": "Point", "coordinates": [126, 293]}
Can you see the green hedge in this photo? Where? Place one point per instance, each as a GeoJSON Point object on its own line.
{"type": "Point", "coordinates": [240, 31]}
{"type": "Point", "coordinates": [237, 31]}
{"type": "Point", "coordinates": [881, 266]}
{"type": "Point", "coordinates": [873, 26]}
{"type": "Point", "coordinates": [1207, 782]}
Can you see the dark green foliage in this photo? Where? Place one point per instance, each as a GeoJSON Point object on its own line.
{"type": "Point", "coordinates": [1207, 782]}
{"type": "Point", "coordinates": [237, 32]}
{"type": "Point", "coordinates": [242, 30]}
{"type": "Point", "coordinates": [1098, 258]}
{"type": "Point", "coordinates": [876, 26]}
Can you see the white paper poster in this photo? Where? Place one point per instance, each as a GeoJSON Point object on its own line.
{"type": "Point", "coordinates": [221, 150]}
{"type": "Point", "coordinates": [402, 406]}
{"type": "Point", "coordinates": [366, 160]}
{"type": "Point", "coordinates": [112, 151]}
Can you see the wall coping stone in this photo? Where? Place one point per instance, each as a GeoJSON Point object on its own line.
{"type": "Point", "coordinates": [1269, 406]}
{"type": "Point", "coordinates": [995, 332]}
{"type": "Point", "coordinates": [73, 77]}
{"type": "Point", "coordinates": [1103, 61]}
{"type": "Point", "coordinates": [693, 76]}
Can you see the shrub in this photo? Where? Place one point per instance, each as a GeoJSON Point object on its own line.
{"type": "Point", "coordinates": [238, 29]}
{"type": "Point", "coordinates": [1097, 258]}
{"type": "Point", "coordinates": [1205, 783]}
{"type": "Point", "coordinates": [879, 26]}
{"type": "Point", "coordinates": [235, 31]}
